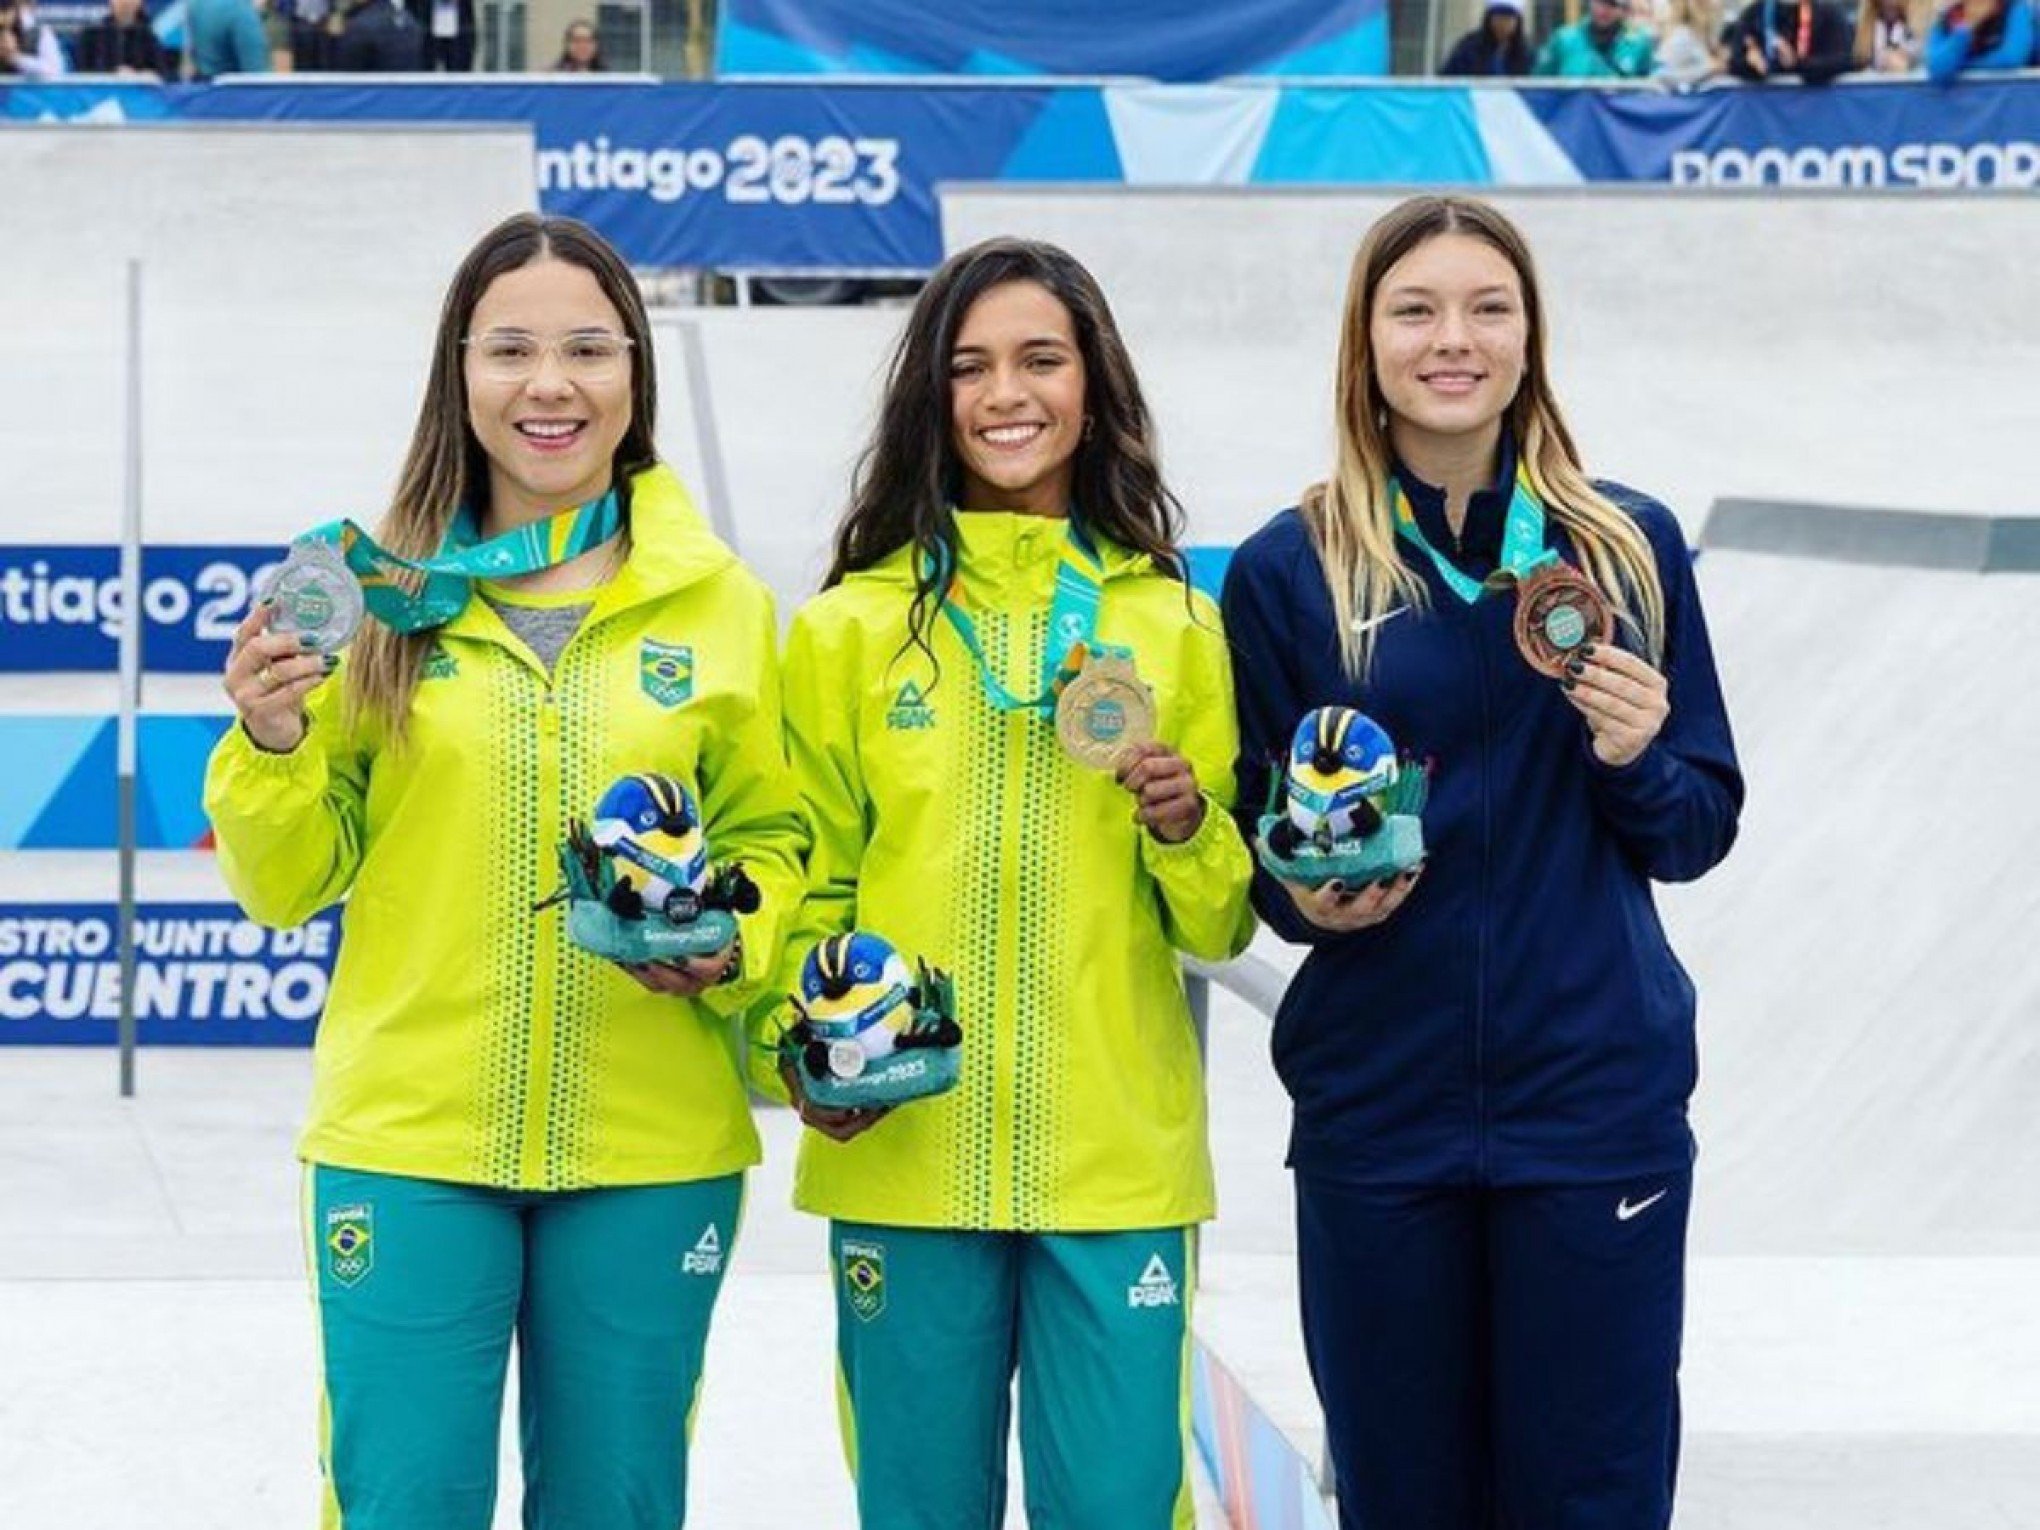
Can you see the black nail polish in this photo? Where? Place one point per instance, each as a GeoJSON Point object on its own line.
{"type": "Point", "coordinates": [1575, 667]}
{"type": "Point", "coordinates": [329, 663]}
{"type": "Point", "coordinates": [1566, 684]}
{"type": "Point", "coordinates": [1587, 651]}
{"type": "Point", "coordinates": [306, 642]}
{"type": "Point", "coordinates": [1337, 887]}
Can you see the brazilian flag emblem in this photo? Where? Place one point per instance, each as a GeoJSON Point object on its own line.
{"type": "Point", "coordinates": [350, 1243]}
{"type": "Point", "coordinates": [666, 671]}
{"type": "Point", "coordinates": [864, 1278]}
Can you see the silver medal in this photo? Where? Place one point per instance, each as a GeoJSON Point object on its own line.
{"type": "Point", "coordinates": [316, 596]}
{"type": "Point", "coordinates": [846, 1059]}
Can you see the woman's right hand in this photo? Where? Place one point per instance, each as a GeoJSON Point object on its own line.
{"type": "Point", "coordinates": [1340, 910]}
{"type": "Point", "coordinates": [269, 675]}
{"type": "Point", "coordinates": [837, 1125]}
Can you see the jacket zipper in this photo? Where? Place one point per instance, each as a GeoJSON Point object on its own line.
{"type": "Point", "coordinates": [1481, 921]}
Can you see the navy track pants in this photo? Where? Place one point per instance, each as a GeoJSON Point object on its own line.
{"type": "Point", "coordinates": [1497, 1359]}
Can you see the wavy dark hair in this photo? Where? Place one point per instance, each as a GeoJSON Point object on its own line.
{"type": "Point", "coordinates": [446, 467]}
{"type": "Point", "coordinates": [909, 478]}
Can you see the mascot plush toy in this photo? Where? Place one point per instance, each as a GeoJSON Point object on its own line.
{"type": "Point", "coordinates": [639, 884]}
{"type": "Point", "coordinates": [1346, 807]}
{"type": "Point", "coordinates": [869, 1032]}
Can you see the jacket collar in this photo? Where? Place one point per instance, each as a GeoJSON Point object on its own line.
{"type": "Point", "coordinates": [671, 547]}
{"type": "Point", "coordinates": [1479, 545]}
{"type": "Point", "coordinates": [995, 545]}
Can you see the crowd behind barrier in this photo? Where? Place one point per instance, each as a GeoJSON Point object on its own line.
{"type": "Point", "coordinates": [1678, 43]}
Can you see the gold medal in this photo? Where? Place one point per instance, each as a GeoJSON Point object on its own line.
{"type": "Point", "coordinates": [1104, 710]}
{"type": "Point", "coordinates": [1559, 612]}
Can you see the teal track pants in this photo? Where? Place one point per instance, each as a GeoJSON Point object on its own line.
{"type": "Point", "coordinates": [934, 1325]}
{"type": "Point", "coordinates": [420, 1286]}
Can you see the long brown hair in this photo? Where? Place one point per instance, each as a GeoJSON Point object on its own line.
{"type": "Point", "coordinates": [1349, 515]}
{"type": "Point", "coordinates": [446, 467]}
{"type": "Point", "coordinates": [909, 477]}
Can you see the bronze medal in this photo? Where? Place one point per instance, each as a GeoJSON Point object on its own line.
{"type": "Point", "coordinates": [1559, 612]}
{"type": "Point", "coordinates": [1104, 710]}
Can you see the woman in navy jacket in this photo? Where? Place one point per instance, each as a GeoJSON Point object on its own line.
{"type": "Point", "coordinates": [1489, 1058]}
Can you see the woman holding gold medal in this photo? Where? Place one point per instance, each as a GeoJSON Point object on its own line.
{"type": "Point", "coordinates": [1010, 721]}
{"type": "Point", "coordinates": [509, 1134]}
{"type": "Point", "coordinates": [1489, 1055]}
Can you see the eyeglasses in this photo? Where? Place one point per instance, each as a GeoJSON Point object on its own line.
{"type": "Point", "coordinates": [585, 355]}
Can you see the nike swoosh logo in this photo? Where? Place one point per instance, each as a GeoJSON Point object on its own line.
{"type": "Point", "coordinates": [1624, 1211]}
{"type": "Point", "coordinates": [1369, 623]}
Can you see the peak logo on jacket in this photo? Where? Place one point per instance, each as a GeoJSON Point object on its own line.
{"type": "Point", "coordinates": [666, 671]}
{"type": "Point", "coordinates": [909, 710]}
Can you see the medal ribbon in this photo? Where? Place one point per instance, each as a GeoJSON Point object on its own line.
{"type": "Point", "coordinates": [411, 594]}
{"type": "Point", "coordinates": [1523, 546]}
{"type": "Point", "coordinates": [1072, 622]}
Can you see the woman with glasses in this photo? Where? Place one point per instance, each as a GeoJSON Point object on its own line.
{"type": "Point", "coordinates": [508, 1135]}
{"type": "Point", "coordinates": [1489, 1056]}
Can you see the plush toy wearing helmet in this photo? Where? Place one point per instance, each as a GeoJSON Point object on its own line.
{"type": "Point", "coordinates": [869, 1031]}
{"type": "Point", "coordinates": [1346, 807]}
{"type": "Point", "coordinates": [639, 885]}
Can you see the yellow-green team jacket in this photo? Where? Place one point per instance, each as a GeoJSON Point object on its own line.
{"type": "Point", "coordinates": [464, 1037]}
{"type": "Point", "coordinates": [966, 836]}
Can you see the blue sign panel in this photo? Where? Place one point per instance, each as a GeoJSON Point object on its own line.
{"type": "Point", "coordinates": [764, 177]}
{"type": "Point", "coordinates": [61, 606]}
{"type": "Point", "coordinates": [204, 975]}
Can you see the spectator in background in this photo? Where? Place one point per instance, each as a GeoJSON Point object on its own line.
{"type": "Point", "coordinates": [580, 50]}
{"type": "Point", "coordinates": [447, 30]}
{"type": "Point", "coordinates": [31, 50]}
{"type": "Point", "coordinates": [226, 38]}
{"type": "Point", "coordinates": [378, 38]}
{"type": "Point", "coordinates": [1979, 34]}
{"type": "Point", "coordinates": [123, 42]}
{"type": "Point", "coordinates": [1497, 47]}
{"type": "Point", "coordinates": [1605, 45]}
{"type": "Point", "coordinates": [279, 24]}
{"type": "Point", "coordinates": [314, 34]}
{"type": "Point", "coordinates": [1888, 36]}
{"type": "Point", "coordinates": [1686, 49]}
{"type": "Point", "coordinates": [1776, 38]}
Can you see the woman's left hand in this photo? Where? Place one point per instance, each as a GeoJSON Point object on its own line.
{"type": "Point", "coordinates": [1165, 785]}
{"type": "Point", "coordinates": [1624, 701]}
{"type": "Point", "coordinates": [687, 980]}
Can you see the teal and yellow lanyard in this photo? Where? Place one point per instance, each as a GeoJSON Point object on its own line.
{"type": "Point", "coordinates": [1072, 624]}
{"type": "Point", "coordinates": [1523, 546]}
{"type": "Point", "coordinates": [411, 594]}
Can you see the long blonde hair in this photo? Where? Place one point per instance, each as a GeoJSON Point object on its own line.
{"type": "Point", "coordinates": [1349, 516]}
{"type": "Point", "coordinates": [445, 466]}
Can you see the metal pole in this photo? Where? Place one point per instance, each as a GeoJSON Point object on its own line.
{"type": "Point", "coordinates": [130, 673]}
